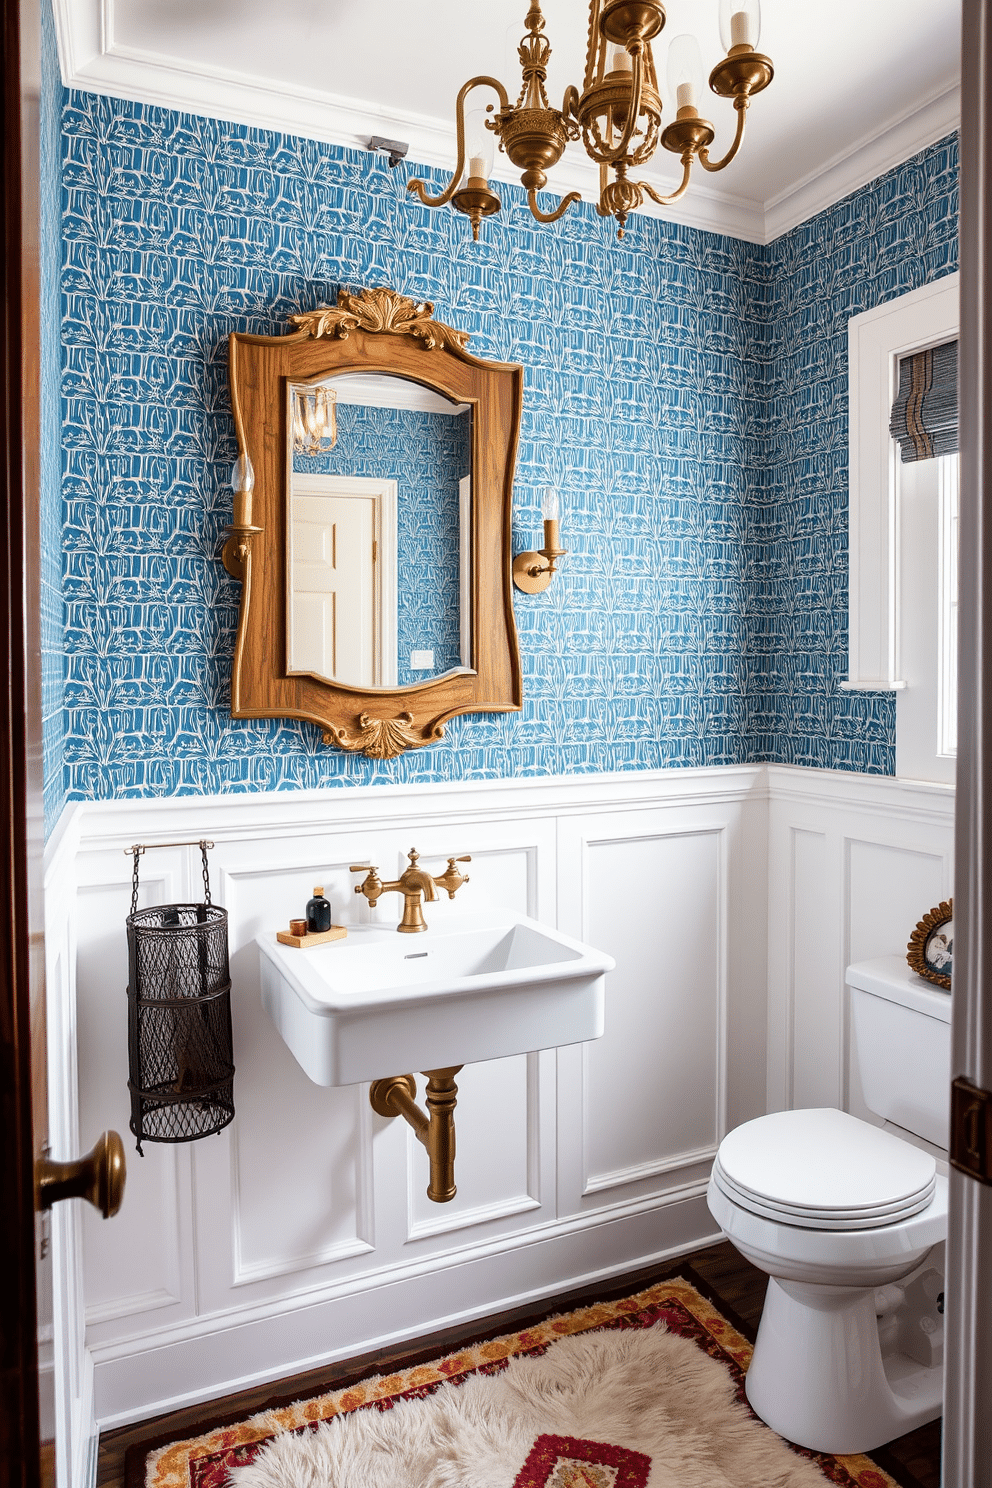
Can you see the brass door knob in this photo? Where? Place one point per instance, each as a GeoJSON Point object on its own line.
{"type": "Point", "coordinates": [99, 1177]}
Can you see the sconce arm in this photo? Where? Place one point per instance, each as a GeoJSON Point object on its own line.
{"type": "Point", "coordinates": [417, 186]}
{"type": "Point", "coordinates": [741, 105]}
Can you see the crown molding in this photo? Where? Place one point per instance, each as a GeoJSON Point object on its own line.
{"type": "Point", "coordinates": [91, 60]}
{"type": "Point", "coordinates": [922, 125]}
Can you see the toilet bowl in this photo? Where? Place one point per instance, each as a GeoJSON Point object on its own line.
{"type": "Point", "coordinates": [848, 1220]}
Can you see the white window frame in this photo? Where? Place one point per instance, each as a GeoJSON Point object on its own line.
{"type": "Point", "coordinates": [876, 341]}
{"type": "Point", "coordinates": [887, 561]}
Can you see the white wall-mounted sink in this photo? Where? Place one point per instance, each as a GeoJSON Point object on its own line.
{"type": "Point", "coordinates": [476, 988]}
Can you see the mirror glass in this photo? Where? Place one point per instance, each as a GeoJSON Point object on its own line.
{"type": "Point", "coordinates": [378, 531]}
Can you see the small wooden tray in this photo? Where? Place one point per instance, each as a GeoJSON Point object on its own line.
{"type": "Point", "coordinates": [314, 938]}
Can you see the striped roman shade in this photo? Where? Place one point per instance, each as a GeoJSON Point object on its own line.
{"type": "Point", "coordinates": [925, 413]}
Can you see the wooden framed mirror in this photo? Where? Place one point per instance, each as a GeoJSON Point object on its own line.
{"type": "Point", "coordinates": [371, 528]}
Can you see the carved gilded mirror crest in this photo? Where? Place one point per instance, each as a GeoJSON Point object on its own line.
{"type": "Point", "coordinates": [371, 530]}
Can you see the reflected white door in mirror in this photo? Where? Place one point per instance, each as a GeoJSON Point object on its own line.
{"type": "Point", "coordinates": [341, 597]}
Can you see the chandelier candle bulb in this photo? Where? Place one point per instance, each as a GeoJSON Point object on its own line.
{"type": "Point", "coordinates": [622, 60]}
{"type": "Point", "coordinates": [740, 23]}
{"type": "Point", "coordinates": [740, 29]}
{"type": "Point", "coordinates": [685, 72]}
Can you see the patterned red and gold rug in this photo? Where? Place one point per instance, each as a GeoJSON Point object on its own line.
{"type": "Point", "coordinates": [642, 1392]}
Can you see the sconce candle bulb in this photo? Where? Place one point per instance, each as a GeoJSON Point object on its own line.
{"type": "Point", "coordinates": [243, 483]}
{"type": "Point", "coordinates": [237, 544]}
{"type": "Point", "coordinates": [532, 572]}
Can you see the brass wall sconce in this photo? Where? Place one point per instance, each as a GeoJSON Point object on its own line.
{"type": "Point", "coordinates": [315, 420]}
{"type": "Point", "coordinates": [395, 1096]}
{"type": "Point", "coordinates": [617, 114]}
{"type": "Point", "coordinates": [532, 572]}
{"type": "Point", "coordinates": [236, 552]}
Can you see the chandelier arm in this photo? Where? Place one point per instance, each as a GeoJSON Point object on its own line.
{"type": "Point", "coordinates": [417, 186]}
{"type": "Point", "coordinates": [682, 188]}
{"type": "Point", "coordinates": [741, 105]}
{"type": "Point", "coordinates": [566, 202]}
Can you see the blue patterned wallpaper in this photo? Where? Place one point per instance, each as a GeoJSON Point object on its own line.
{"type": "Point", "coordinates": [683, 391]}
{"type": "Point", "coordinates": [893, 236]}
{"type": "Point", "coordinates": [52, 619]}
{"type": "Point", "coordinates": [426, 454]}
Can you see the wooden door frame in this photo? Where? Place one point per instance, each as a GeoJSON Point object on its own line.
{"type": "Point", "coordinates": [20, 732]}
{"type": "Point", "coordinates": [969, 1317]}
{"type": "Point", "coordinates": [967, 1441]}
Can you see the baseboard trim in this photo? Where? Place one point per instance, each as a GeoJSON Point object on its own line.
{"type": "Point", "coordinates": [162, 1377]}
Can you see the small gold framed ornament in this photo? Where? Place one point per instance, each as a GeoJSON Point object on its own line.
{"type": "Point", "coordinates": [930, 952]}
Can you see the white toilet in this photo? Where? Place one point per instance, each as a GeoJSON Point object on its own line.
{"type": "Point", "coordinates": [848, 1220]}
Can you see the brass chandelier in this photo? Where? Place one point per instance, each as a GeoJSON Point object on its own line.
{"type": "Point", "coordinates": [617, 115]}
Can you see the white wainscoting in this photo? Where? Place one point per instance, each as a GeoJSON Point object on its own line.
{"type": "Point", "coordinates": [854, 862]}
{"type": "Point", "coordinates": [302, 1234]}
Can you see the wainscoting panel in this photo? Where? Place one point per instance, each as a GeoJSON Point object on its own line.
{"type": "Point", "coordinates": [665, 1004]}
{"type": "Point", "coordinates": [649, 1100]}
{"type": "Point", "coordinates": [499, 1150]}
{"type": "Point", "coordinates": [854, 861]}
{"type": "Point", "coordinates": [815, 1031]}
{"type": "Point", "coordinates": [302, 1233]}
{"type": "Point", "coordinates": [133, 1266]}
{"type": "Point", "coordinates": [889, 888]}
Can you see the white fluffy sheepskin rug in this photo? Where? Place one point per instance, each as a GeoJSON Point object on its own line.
{"type": "Point", "coordinates": [630, 1408]}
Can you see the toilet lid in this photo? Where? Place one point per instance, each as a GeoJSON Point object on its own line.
{"type": "Point", "coordinates": [823, 1169]}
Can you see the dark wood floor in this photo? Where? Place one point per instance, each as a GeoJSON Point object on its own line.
{"type": "Point", "coordinates": [738, 1284]}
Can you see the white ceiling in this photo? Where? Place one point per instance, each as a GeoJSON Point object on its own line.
{"type": "Point", "coordinates": [859, 84]}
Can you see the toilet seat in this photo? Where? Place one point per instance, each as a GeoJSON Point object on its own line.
{"type": "Point", "coordinates": [823, 1170]}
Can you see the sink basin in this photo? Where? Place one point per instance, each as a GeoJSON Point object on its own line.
{"type": "Point", "coordinates": [476, 988]}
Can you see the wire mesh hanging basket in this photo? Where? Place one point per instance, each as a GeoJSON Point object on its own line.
{"type": "Point", "coordinates": [180, 1042]}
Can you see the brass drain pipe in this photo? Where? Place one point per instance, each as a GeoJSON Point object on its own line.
{"type": "Point", "coordinates": [396, 1096]}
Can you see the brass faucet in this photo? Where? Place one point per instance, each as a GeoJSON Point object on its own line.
{"type": "Point", "coordinates": [415, 884]}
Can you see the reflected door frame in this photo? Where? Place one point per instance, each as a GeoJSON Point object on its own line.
{"type": "Point", "coordinates": [384, 496]}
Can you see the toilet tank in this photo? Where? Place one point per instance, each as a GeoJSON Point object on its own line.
{"type": "Point", "coordinates": [901, 1032]}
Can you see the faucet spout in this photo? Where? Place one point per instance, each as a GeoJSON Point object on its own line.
{"type": "Point", "coordinates": [415, 884]}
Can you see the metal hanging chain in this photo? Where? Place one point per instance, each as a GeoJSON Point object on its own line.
{"type": "Point", "coordinates": [141, 847]}
{"type": "Point", "coordinates": [206, 871]}
{"type": "Point", "coordinates": [137, 850]}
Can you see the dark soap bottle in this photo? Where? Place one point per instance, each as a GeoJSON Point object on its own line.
{"type": "Point", "coordinates": [318, 912]}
